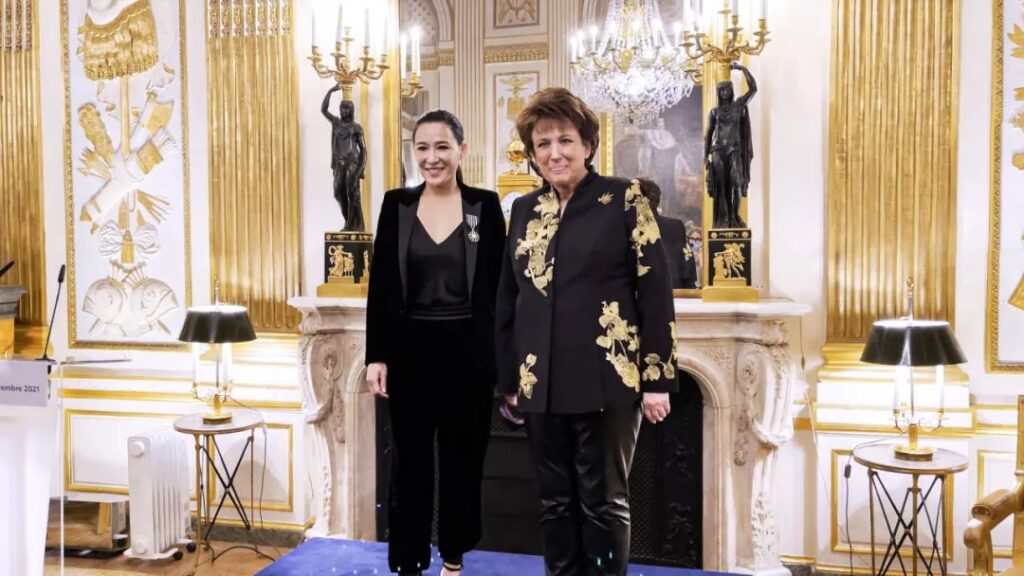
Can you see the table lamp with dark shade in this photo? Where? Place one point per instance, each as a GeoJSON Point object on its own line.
{"type": "Point", "coordinates": [217, 324]}
{"type": "Point", "coordinates": [908, 343]}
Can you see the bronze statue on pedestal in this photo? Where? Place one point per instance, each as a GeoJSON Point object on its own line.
{"type": "Point", "coordinates": [728, 150]}
{"type": "Point", "coordinates": [348, 160]}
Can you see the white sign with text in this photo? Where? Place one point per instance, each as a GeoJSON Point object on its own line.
{"type": "Point", "coordinates": [23, 383]}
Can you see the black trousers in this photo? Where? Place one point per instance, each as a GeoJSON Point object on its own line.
{"type": "Point", "coordinates": [583, 463]}
{"type": "Point", "coordinates": [436, 393]}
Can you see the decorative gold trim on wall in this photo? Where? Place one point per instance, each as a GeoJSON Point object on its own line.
{"type": "Point", "coordinates": [21, 186]}
{"type": "Point", "coordinates": [392, 112]}
{"type": "Point", "coordinates": [252, 89]}
{"type": "Point", "coordinates": [983, 455]}
{"type": "Point", "coordinates": [69, 188]}
{"type": "Point", "coordinates": [446, 57]}
{"type": "Point", "coordinates": [211, 483]}
{"type": "Point", "coordinates": [880, 537]}
{"type": "Point", "coordinates": [892, 161]}
{"type": "Point", "coordinates": [992, 362]}
{"type": "Point", "coordinates": [503, 53]}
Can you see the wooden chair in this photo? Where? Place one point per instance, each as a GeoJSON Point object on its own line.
{"type": "Point", "coordinates": [988, 512]}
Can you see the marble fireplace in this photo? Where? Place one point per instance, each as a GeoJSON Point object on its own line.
{"type": "Point", "coordinates": [738, 353]}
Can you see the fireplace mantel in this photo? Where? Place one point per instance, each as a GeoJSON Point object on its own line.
{"type": "Point", "coordinates": [738, 352]}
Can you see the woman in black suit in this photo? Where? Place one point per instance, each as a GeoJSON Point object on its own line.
{"type": "Point", "coordinates": [430, 344]}
{"type": "Point", "coordinates": [586, 333]}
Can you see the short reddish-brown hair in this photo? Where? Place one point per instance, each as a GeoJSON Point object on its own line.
{"type": "Point", "coordinates": [559, 104]}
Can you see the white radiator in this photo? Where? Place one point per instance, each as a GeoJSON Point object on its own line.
{"type": "Point", "coordinates": [158, 494]}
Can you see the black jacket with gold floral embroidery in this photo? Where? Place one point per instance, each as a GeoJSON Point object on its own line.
{"type": "Point", "coordinates": [585, 318]}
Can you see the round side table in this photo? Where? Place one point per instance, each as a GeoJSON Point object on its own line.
{"type": "Point", "coordinates": [208, 455]}
{"type": "Point", "coordinates": [902, 524]}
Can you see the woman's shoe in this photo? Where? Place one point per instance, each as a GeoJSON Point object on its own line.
{"type": "Point", "coordinates": [450, 569]}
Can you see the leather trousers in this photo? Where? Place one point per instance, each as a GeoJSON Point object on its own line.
{"type": "Point", "coordinates": [582, 463]}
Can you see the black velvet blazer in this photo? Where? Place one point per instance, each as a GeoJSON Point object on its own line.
{"type": "Point", "coordinates": [585, 312]}
{"type": "Point", "coordinates": [386, 303]}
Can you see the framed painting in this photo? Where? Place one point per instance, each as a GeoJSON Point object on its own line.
{"type": "Point", "coordinates": [668, 151]}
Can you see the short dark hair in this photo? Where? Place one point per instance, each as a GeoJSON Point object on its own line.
{"type": "Point", "coordinates": [559, 104]}
{"type": "Point", "coordinates": [650, 189]}
{"type": "Point", "coordinates": [441, 116]}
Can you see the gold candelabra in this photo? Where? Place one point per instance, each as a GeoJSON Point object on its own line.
{"type": "Point", "coordinates": [731, 45]}
{"type": "Point", "coordinates": [411, 86]}
{"type": "Point", "coordinates": [409, 62]}
{"type": "Point", "coordinates": [348, 70]}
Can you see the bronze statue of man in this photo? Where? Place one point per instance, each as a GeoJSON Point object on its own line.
{"type": "Point", "coordinates": [728, 150]}
{"type": "Point", "coordinates": [348, 160]}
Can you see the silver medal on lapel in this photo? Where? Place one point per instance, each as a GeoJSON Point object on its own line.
{"type": "Point", "coordinates": [473, 221]}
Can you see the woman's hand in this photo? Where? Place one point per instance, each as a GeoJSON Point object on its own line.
{"type": "Point", "coordinates": [512, 399]}
{"type": "Point", "coordinates": [656, 406]}
{"type": "Point", "coordinates": [377, 379]}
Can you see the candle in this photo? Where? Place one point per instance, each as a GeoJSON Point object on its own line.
{"type": "Point", "coordinates": [340, 33]}
{"type": "Point", "coordinates": [366, 29]}
{"type": "Point", "coordinates": [387, 36]}
{"type": "Point", "coordinates": [593, 39]}
{"type": "Point", "coordinates": [901, 376]}
{"type": "Point", "coordinates": [698, 16]}
{"type": "Point", "coordinates": [940, 381]}
{"type": "Point", "coordinates": [575, 55]}
{"type": "Point", "coordinates": [312, 32]}
{"type": "Point", "coordinates": [764, 10]}
{"type": "Point", "coordinates": [416, 51]}
{"type": "Point", "coordinates": [678, 29]}
{"type": "Point", "coordinates": [403, 61]}
{"type": "Point", "coordinates": [686, 14]}
{"type": "Point", "coordinates": [735, 7]}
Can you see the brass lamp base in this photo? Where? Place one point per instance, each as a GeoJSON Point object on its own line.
{"type": "Point", "coordinates": [913, 451]}
{"type": "Point", "coordinates": [918, 454]}
{"type": "Point", "coordinates": [219, 415]}
{"type": "Point", "coordinates": [217, 418]}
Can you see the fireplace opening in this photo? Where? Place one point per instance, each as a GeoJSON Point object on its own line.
{"type": "Point", "coordinates": [666, 496]}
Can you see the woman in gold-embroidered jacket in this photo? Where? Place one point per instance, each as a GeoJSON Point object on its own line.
{"type": "Point", "coordinates": [585, 333]}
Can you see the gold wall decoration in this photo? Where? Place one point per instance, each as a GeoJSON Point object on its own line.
{"type": "Point", "coordinates": [510, 91]}
{"type": "Point", "coordinates": [21, 186]}
{"type": "Point", "coordinates": [252, 91]}
{"type": "Point", "coordinates": [516, 13]}
{"type": "Point", "coordinates": [126, 172]}
{"type": "Point", "coordinates": [392, 116]}
{"type": "Point", "coordinates": [445, 57]}
{"type": "Point", "coordinates": [503, 53]}
{"type": "Point", "coordinates": [891, 198]}
{"type": "Point", "coordinates": [1004, 317]}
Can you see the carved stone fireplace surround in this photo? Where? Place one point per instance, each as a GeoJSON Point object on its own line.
{"type": "Point", "coordinates": [738, 352]}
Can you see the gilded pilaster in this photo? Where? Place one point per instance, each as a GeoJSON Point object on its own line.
{"type": "Point", "coordinates": [892, 161]}
{"type": "Point", "coordinates": [469, 78]}
{"type": "Point", "coordinates": [563, 22]}
{"type": "Point", "coordinates": [21, 186]}
{"type": "Point", "coordinates": [255, 240]}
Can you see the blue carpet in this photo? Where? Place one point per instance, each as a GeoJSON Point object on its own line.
{"type": "Point", "coordinates": [324, 556]}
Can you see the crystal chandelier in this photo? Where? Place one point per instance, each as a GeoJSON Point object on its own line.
{"type": "Point", "coordinates": [633, 67]}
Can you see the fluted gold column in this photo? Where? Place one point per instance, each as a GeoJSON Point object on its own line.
{"type": "Point", "coordinates": [891, 197]}
{"type": "Point", "coordinates": [255, 241]}
{"type": "Point", "coordinates": [21, 186]}
{"type": "Point", "coordinates": [469, 80]}
{"type": "Point", "coordinates": [563, 22]}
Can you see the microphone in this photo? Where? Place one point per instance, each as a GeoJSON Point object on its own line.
{"type": "Point", "coordinates": [6, 268]}
{"type": "Point", "coordinates": [49, 332]}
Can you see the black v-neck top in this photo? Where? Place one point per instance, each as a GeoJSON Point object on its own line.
{"type": "Point", "coordinates": [438, 287]}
